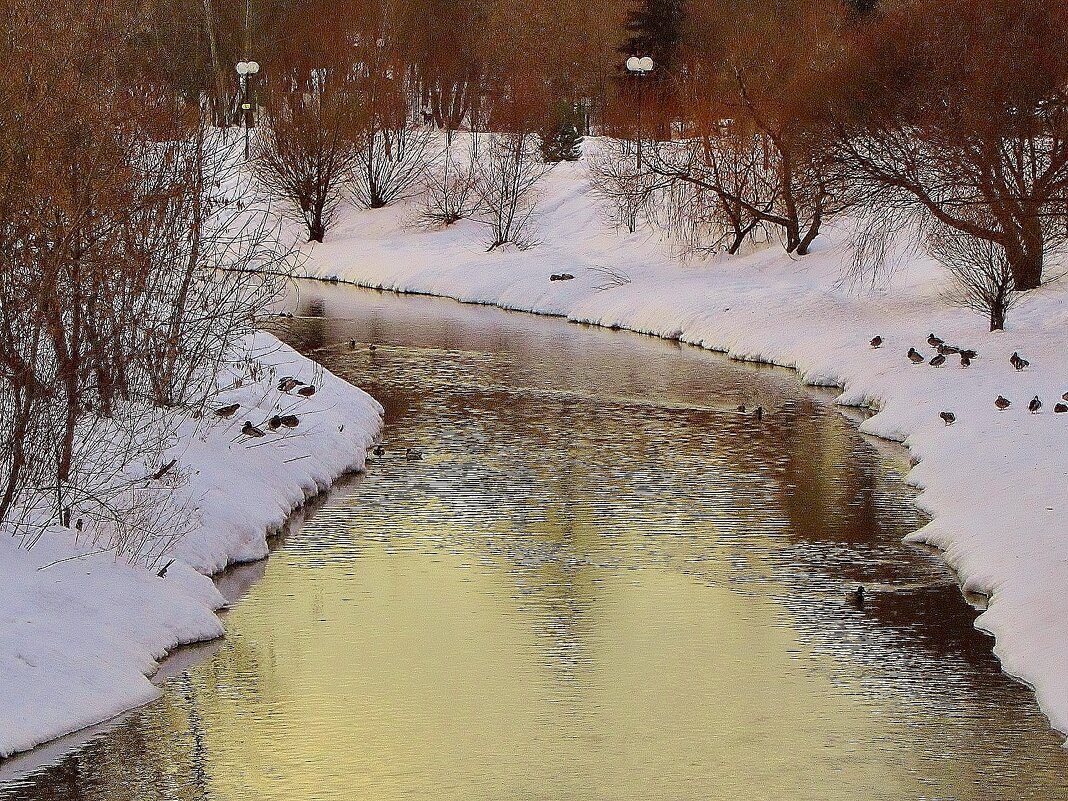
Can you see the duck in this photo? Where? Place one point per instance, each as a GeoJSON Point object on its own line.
{"type": "Point", "coordinates": [915, 356]}
{"type": "Point", "coordinates": [938, 360]}
{"type": "Point", "coordinates": [306, 391]}
{"type": "Point", "coordinates": [934, 341]}
{"type": "Point", "coordinates": [1035, 405]}
{"type": "Point", "coordinates": [876, 342]}
{"type": "Point", "coordinates": [948, 350]}
{"type": "Point", "coordinates": [1002, 402]}
{"type": "Point", "coordinates": [289, 420]}
{"type": "Point", "coordinates": [856, 597]}
{"type": "Point", "coordinates": [1064, 397]}
{"type": "Point", "coordinates": [352, 344]}
{"type": "Point", "coordinates": [948, 418]}
{"type": "Point", "coordinates": [965, 360]}
{"type": "Point", "coordinates": [971, 354]}
{"type": "Point", "coordinates": [1017, 361]}
{"type": "Point", "coordinates": [274, 422]}
{"type": "Point", "coordinates": [1061, 408]}
{"type": "Point", "coordinates": [288, 384]}
{"type": "Point", "coordinates": [413, 455]}
{"type": "Point", "coordinates": [164, 469]}
{"type": "Point", "coordinates": [379, 450]}
{"type": "Point", "coordinates": [758, 413]}
{"type": "Point", "coordinates": [250, 430]}
{"type": "Point", "coordinates": [226, 412]}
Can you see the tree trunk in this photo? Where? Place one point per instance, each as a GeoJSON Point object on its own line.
{"type": "Point", "coordinates": [813, 231]}
{"type": "Point", "coordinates": [997, 316]}
{"type": "Point", "coordinates": [316, 229]}
{"type": "Point", "coordinates": [24, 406]}
{"type": "Point", "coordinates": [221, 99]}
{"type": "Point", "coordinates": [1026, 261]}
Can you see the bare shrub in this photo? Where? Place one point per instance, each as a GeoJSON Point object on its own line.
{"type": "Point", "coordinates": [451, 190]}
{"type": "Point", "coordinates": [507, 177]}
{"type": "Point", "coordinates": [629, 193]}
{"type": "Point", "coordinates": [390, 162]}
{"type": "Point", "coordinates": [612, 278]}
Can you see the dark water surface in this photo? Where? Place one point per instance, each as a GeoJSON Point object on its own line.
{"type": "Point", "coordinates": [602, 582]}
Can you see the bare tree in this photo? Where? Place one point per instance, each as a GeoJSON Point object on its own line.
{"type": "Point", "coordinates": [944, 127]}
{"type": "Point", "coordinates": [1008, 191]}
{"type": "Point", "coordinates": [762, 178]}
{"type": "Point", "coordinates": [114, 312]}
{"type": "Point", "coordinates": [307, 154]}
{"type": "Point", "coordinates": [390, 162]}
{"type": "Point", "coordinates": [980, 273]}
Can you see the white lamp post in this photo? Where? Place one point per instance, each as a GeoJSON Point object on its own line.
{"type": "Point", "coordinates": [245, 69]}
{"type": "Point", "coordinates": [639, 67]}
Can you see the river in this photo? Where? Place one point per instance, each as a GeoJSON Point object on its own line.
{"type": "Point", "coordinates": [601, 581]}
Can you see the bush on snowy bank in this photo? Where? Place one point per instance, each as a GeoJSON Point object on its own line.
{"type": "Point", "coordinates": [507, 176]}
{"type": "Point", "coordinates": [450, 190]}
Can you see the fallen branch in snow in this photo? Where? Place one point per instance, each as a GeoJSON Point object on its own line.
{"type": "Point", "coordinates": [615, 277]}
{"type": "Point", "coordinates": [72, 558]}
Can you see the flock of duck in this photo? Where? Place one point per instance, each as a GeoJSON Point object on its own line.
{"type": "Point", "coordinates": [944, 351]}
{"type": "Point", "coordinates": [287, 386]}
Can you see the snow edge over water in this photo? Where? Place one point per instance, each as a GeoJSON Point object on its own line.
{"type": "Point", "coordinates": [84, 632]}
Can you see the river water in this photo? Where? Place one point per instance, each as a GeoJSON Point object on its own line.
{"type": "Point", "coordinates": [602, 581]}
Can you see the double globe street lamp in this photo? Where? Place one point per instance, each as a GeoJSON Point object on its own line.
{"type": "Point", "coordinates": [245, 69]}
{"type": "Point", "coordinates": [639, 67]}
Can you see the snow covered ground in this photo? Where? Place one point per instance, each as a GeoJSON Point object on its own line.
{"type": "Point", "coordinates": [994, 482]}
{"type": "Point", "coordinates": [82, 631]}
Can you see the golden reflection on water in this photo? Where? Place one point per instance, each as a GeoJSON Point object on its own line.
{"type": "Point", "coordinates": [434, 683]}
{"type": "Point", "coordinates": [602, 583]}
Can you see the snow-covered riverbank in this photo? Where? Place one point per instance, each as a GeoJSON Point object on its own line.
{"type": "Point", "coordinates": [82, 632]}
{"type": "Point", "coordinates": [994, 482]}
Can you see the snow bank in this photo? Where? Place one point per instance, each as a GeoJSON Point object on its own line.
{"type": "Point", "coordinates": [994, 482]}
{"type": "Point", "coordinates": [81, 631]}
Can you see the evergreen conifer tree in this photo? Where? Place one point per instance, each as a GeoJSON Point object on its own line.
{"type": "Point", "coordinates": [560, 138]}
{"type": "Point", "coordinates": [655, 29]}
